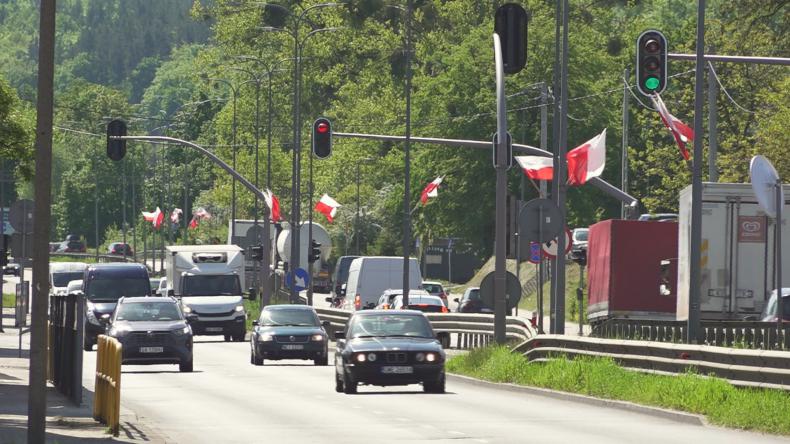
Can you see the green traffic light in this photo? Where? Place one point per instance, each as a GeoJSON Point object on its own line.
{"type": "Point", "coordinates": [651, 83]}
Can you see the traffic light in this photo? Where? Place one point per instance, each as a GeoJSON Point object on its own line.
{"type": "Point", "coordinates": [510, 23]}
{"type": "Point", "coordinates": [256, 253]}
{"type": "Point", "coordinates": [322, 138]}
{"type": "Point", "coordinates": [651, 62]}
{"type": "Point", "coordinates": [315, 251]}
{"type": "Point", "coordinates": [116, 148]}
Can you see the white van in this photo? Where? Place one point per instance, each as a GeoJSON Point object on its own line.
{"type": "Point", "coordinates": [369, 276]}
{"type": "Point", "coordinates": [61, 273]}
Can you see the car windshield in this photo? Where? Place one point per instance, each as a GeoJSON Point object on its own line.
{"type": "Point", "coordinates": [388, 325]}
{"type": "Point", "coordinates": [473, 295]}
{"type": "Point", "coordinates": [288, 317]}
{"type": "Point", "coordinates": [154, 284]}
{"type": "Point", "coordinates": [148, 311]}
{"type": "Point", "coordinates": [63, 279]}
{"type": "Point", "coordinates": [112, 288]}
{"type": "Point", "coordinates": [581, 235]}
{"type": "Point", "coordinates": [433, 288]}
{"type": "Point", "coordinates": [206, 285]}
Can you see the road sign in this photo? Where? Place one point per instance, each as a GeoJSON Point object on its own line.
{"type": "Point", "coordinates": [535, 252]}
{"type": "Point", "coordinates": [512, 290]}
{"type": "Point", "coordinates": [300, 278]}
{"type": "Point", "coordinates": [550, 247]}
{"type": "Point", "coordinates": [539, 221]}
{"type": "Point", "coordinates": [21, 216]}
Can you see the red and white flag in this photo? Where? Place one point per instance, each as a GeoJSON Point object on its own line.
{"type": "Point", "coordinates": [175, 216]}
{"type": "Point", "coordinates": [155, 218]}
{"type": "Point", "coordinates": [194, 222]}
{"type": "Point", "coordinates": [587, 160]}
{"type": "Point", "coordinates": [274, 205]}
{"type": "Point", "coordinates": [327, 206]}
{"type": "Point", "coordinates": [201, 213]}
{"type": "Point", "coordinates": [431, 190]}
{"type": "Point", "coordinates": [680, 131]}
{"type": "Point", "coordinates": [537, 167]}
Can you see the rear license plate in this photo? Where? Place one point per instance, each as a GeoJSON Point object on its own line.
{"type": "Point", "coordinates": [151, 349]}
{"type": "Point", "coordinates": [293, 347]}
{"type": "Point", "coordinates": [397, 370]}
{"type": "Point", "coordinates": [213, 328]}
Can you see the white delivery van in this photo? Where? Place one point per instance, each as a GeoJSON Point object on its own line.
{"type": "Point", "coordinates": [61, 273]}
{"type": "Point", "coordinates": [369, 276]}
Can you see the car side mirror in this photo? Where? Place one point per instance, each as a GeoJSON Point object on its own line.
{"type": "Point", "coordinates": [340, 334]}
{"type": "Point", "coordinates": [105, 318]}
{"type": "Point", "coordinates": [171, 292]}
{"type": "Point", "coordinates": [253, 295]}
{"type": "Point", "coordinates": [255, 323]}
{"type": "Point", "coordinates": [191, 318]}
{"type": "Point", "coordinates": [330, 300]}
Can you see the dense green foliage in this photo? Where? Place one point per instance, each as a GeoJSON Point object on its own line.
{"type": "Point", "coordinates": [718, 400]}
{"type": "Point", "coordinates": [151, 64]}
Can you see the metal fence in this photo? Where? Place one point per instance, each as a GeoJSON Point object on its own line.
{"type": "Point", "coordinates": [65, 345]}
{"type": "Point", "coordinates": [466, 330]}
{"type": "Point", "coordinates": [739, 334]}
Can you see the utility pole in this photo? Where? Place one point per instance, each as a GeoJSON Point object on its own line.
{"type": "Point", "coordinates": [544, 144]}
{"type": "Point", "coordinates": [713, 135]}
{"type": "Point", "coordinates": [624, 161]}
{"type": "Point", "coordinates": [407, 160]}
{"type": "Point", "coordinates": [37, 395]}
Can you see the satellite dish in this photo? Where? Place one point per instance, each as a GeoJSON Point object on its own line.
{"type": "Point", "coordinates": [764, 177]}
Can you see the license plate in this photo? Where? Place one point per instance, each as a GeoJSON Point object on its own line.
{"type": "Point", "coordinates": [293, 347]}
{"type": "Point", "coordinates": [213, 328]}
{"type": "Point", "coordinates": [397, 370]}
{"type": "Point", "coordinates": [151, 349]}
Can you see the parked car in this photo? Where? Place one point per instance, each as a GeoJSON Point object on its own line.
{"type": "Point", "coordinates": [289, 332]}
{"type": "Point", "coordinates": [152, 330]}
{"type": "Point", "coordinates": [385, 300]}
{"type": "Point", "coordinates": [13, 269]}
{"type": "Point", "coordinates": [72, 244]}
{"type": "Point", "coordinates": [104, 285]}
{"type": "Point", "coordinates": [770, 312]}
{"type": "Point", "coordinates": [53, 246]}
{"type": "Point", "coordinates": [369, 276]}
{"type": "Point", "coordinates": [340, 277]}
{"type": "Point", "coordinates": [388, 347]}
{"type": "Point", "coordinates": [436, 289]}
{"type": "Point", "coordinates": [471, 302]}
{"type": "Point", "coordinates": [120, 248]}
{"type": "Point", "coordinates": [420, 301]}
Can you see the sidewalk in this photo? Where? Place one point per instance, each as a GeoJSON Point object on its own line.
{"type": "Point", "coordinates": [66, 423]}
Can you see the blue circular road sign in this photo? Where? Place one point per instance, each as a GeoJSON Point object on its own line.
{"type": "Point", "coordinates": [299, 277]}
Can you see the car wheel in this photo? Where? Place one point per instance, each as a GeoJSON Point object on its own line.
{"type": "Point", "coordinates": [239, 337]}
{"type": "Point", "coordinates": [185, 366]}
{"type": "Point", "coordinates": [227, 338]}
{"type": "Point", "coordinates": [339, 383]}
{"type": "Point", "coordinates": [349, 386]}
{"type": "Point", "coordinates": [321, 361]}
{"type": "Point", "coordinates": [436, 386]}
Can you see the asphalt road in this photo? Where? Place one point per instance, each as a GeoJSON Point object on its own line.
{"type": "Point", "coordinates": [228, 400]}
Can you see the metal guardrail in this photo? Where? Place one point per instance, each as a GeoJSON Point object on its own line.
{"type": "Point", "coordinates": [65, 330]}
{"type": "Point", "coordinates": [742, 334]}
{"type": "Point", "coordinates": [755, 368]}
{"type": "Point", "coordinates": [107, 395]}
{"type": "Point", "coordinates": [471, 330]}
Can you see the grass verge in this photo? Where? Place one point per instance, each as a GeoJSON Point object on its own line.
{"type": "Point", "coordinates": [723, 404]}
{"type": "Point", "coordinates": [8, 299]}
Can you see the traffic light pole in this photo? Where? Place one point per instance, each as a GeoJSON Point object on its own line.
{"type": "Point", "coordinates": [500, 220]}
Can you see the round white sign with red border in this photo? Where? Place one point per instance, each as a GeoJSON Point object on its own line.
{"type": "Point", "coordinates": [550, 248]}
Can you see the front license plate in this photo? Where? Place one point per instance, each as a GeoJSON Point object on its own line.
{"type": "Point", "coordinates": [213, 328]}
{"type": "Point", "coordinates": [151, 349]}
{"type": "Point", "coordinates": [293, 347]}
{"type": "Point", "coordinates": [397, 370]}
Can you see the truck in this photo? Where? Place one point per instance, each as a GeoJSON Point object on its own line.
{"type": "Point", "coordinates": [321, 278]}
{"type": "Point", "coordinates": [624, 270]}
{"type": "Point", "coordinates": [208, 281]}
{"type": "Point", "coordinates": [737, 263]}
{"type": "Point", "coordinates": [248, 232]}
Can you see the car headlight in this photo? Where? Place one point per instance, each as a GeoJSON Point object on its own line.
{"type": "Point", "coordinates": [266, 337]}
{"type": "Point", "coordinates": [187, 309]}
{"type": "Point", "coordinates": [182, 331]}
{"type": "Point", "coordinates": [360, 357]}
{"type": "Point", "coordinates": [431, 357]}
{"type": "Point", "coordinates": [318, 337]}
{"type": "Point", "coordinates": [420, 357]}
{"type": "Point", "coordinates": [91, 307]}
{"type": "Point", "coordinates": [239, 308]}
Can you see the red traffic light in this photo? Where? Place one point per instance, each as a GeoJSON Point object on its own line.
{"type": "Point", "coordinates": [322, 127]}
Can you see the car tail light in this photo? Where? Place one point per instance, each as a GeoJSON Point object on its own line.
{"type": "Point", "coordinates": [357, 302]}
{"type": "Point", "coordinates": [385, 306]}
{"type": "Point", "coordinates": [444, 309]}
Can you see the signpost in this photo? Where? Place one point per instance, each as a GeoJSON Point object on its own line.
{"type": "Point", "coordinates": [512, 290]}
{"type": "Point", "coordinates": [300, 279]}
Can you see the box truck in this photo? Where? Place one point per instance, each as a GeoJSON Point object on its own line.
{"type": "Point", "coordinates": [208, 280]}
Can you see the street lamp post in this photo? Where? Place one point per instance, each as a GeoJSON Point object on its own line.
{"type": "Point", "coordinates": [356, 221]}
{"type": "Point", "coordinates": [234, 95]}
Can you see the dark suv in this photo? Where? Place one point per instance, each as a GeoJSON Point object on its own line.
{"type": "Point", "coordinates": [152, 330]}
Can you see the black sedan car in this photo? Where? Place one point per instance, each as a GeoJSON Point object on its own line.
{"type": "Point", "coordinates": [152, 330]}
{"type": "Point", "coordinates": [389, 347]}
{"type": "Point", "coordinates": [288, 332]}
{"type": "Point", "coordinates": [472, 302]}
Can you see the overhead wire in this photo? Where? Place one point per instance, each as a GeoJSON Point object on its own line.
{"type": "Point", "coordinates": [724, 90]}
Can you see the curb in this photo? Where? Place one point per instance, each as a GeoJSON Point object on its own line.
{"type": "Point", "coordinates": [686, 418]}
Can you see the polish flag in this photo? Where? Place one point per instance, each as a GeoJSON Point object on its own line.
{"type": "Point", "coordinates": [194, 222]}
{"type": "Point", "coordinates": [155, 218]}
{"type": "Point", "coordinates": [680, 131]}
{"type": "Point", "coordinates": [274, 205]}
{"type": "Point", "coordinates": [587, 160]}
{"type": "Point", "coordinates": [431, 190]}
{"type": "Point", "coordinates": [327, 206]}
{"type": "Point", "coordinates": [537, 167]}
{"type": "Point", "coordinates": [201, 213]}
{"type": "Point", "coordinates": [175, 216]}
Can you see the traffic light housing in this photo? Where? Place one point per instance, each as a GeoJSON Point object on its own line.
{"type": "Point", "coordinates": [322, 138]}
{"type": "Point", "coordinates": [315, 252]}
{"type": "Point", "coordinates": [510, 23]}
{"type": "Point", "coordinates": [256, 253]}
{"type": "Point", "coordinates": [116, 148]}
{"type": "Point", "coordinates": [651, 62]}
